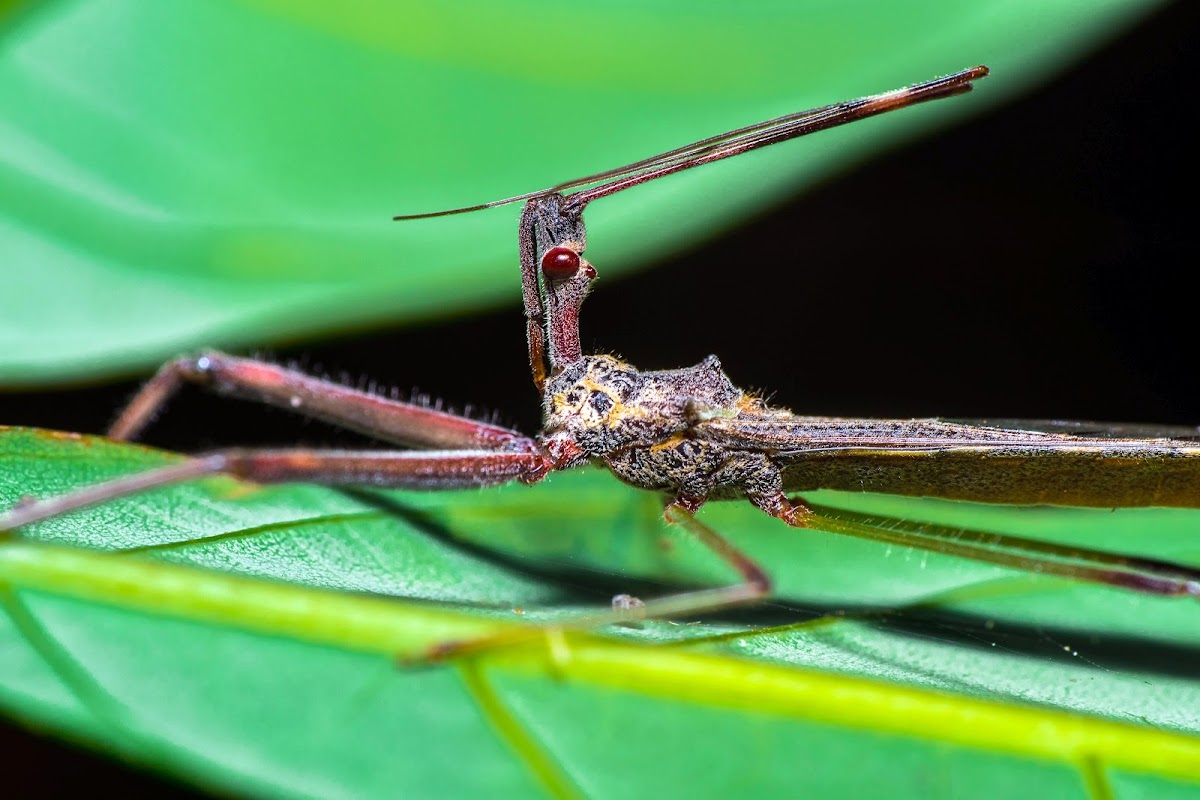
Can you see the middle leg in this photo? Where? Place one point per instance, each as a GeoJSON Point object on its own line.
{"type": "Point", "coordinates": [754, 585]}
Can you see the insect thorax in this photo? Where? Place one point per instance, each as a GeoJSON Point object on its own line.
{"type": "Point", "coordinates": [641, 423]}
{"type": "Point", "coordinates": [606, 404]}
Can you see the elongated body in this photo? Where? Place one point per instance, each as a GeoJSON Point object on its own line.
{"type": "Point", "coordinates": [690, 433]}
{"type": "Point", "coordinates": [693, 433]}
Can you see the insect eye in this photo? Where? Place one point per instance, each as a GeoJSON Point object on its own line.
{"type": "Point", "coordinates": [560, 263]}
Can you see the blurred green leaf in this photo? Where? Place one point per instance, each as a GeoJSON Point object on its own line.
{"type": "Point", "coordinates": [222, 173]}
{"type": "Point", "coordinates": [243, 638]}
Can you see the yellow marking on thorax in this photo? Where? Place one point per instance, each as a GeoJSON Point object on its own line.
{"type": "Point", "coordinates": [674, 440]}
{"type": "Point", "coordinates": [619, 410]}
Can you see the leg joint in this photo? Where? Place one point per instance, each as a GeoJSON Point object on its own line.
{"type": "Point", "coordinates": [203, 368]}
{"type": "Point", "coordinates": [778, 505]}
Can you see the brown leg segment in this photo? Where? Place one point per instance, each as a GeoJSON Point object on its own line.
{"type": "Point", "coordinates": [1144, 575]}
{"type": "Point", "coordinates": [398, 470]}
{"type": "Point", "coordinates": [451, 469]}
{"type": "Point", "coordinates": [387, 420]}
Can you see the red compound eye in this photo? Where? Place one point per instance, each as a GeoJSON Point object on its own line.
{"type": "Point", "coordinates": [560, 263]}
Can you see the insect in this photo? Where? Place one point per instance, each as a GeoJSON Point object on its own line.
{"type": "Point", "coordinates": [690, 433]}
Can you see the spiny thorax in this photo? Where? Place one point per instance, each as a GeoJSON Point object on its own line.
{"type": "Point", "coordinates": [605, 404]}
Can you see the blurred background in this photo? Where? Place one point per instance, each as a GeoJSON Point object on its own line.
{"type": "Point", "coordinates": [1026, 260]}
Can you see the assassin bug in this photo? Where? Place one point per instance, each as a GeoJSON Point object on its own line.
{"type": "Point", "coordinates": [690, 433]}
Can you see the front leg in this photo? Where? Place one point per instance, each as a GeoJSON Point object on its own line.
{"type": "Point", "coordinates": [405, 424]}
{"type": "Point", "coordinates": [453, 469]}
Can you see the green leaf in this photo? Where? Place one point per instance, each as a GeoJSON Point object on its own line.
{"type": "Point", "coordinates": [195, 173]}
{"type": "Point", "coordinates": [244, 638]}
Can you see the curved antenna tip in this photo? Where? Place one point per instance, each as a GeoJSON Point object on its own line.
{"type": "Point", "coordinates": [467, 209]}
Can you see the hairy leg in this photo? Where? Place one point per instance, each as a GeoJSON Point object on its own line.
{"type": "Point", "coordinates": [401, 423]}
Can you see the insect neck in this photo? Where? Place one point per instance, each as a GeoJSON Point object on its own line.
{"type": "Point", "coordinates": [552, 305]}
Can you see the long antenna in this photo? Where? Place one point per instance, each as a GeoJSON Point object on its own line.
{"type": "Point", "coordinates": [736, 142]}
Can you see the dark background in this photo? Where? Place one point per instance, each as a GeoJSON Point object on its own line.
{"type": "Point", "coordinates": [1030, 263]}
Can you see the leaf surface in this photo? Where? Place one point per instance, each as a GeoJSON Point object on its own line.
{"type": "Point", "coordinates": [245, 637]}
